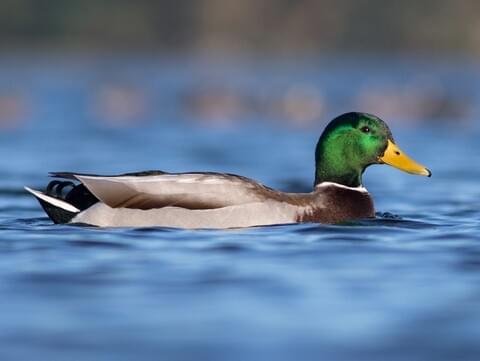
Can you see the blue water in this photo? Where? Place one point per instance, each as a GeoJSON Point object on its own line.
{"type": "Point", "coordinates": [404, 286]}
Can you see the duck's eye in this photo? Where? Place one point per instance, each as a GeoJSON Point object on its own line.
{"type": "Point", "coordinates": [365, 129]}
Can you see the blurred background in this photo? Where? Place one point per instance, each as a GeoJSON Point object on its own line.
{"type": "Point", "coordinates": [224, 62]}
{"type": "Point", "coordinates": [246, 87]}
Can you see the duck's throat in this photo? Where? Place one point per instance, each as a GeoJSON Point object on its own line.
{"type": "Point", "coordinates": [337, 173]}
{"type": "Point", "coordinates": [337, 170]}
{"type": "Point", "coordinates": [339, 158]}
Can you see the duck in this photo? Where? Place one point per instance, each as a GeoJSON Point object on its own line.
{"type": "Point", "coordinates": [349, 144]}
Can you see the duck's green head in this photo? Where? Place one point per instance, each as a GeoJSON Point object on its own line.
{"type": "Point", "coordinates": [352, 142]}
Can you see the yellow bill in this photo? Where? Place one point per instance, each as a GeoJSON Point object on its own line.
{"type": "Point", "coordinates": [396, 158]}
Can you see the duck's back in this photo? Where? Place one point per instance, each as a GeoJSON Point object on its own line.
{"type": "Point", "coordinates": [187, 190]}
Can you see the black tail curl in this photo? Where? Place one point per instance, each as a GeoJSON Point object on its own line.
{"type": "Point", "coordinates": [78, 196]}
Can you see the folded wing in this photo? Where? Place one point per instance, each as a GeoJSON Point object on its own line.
{"type": "Point", "coordinates": [186, 190]}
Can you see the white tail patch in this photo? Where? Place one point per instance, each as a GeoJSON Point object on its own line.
{"type": "Point", "coordinates": [53, 201]}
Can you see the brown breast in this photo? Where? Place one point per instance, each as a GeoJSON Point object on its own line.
{"type": "Point", "coordinates": [337, 204]}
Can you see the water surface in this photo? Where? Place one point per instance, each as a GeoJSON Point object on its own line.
{"type": "Point", "coordinates": [403, 286]}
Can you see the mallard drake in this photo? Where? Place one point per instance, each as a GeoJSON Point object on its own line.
{"type": "Point", "coordinates": [349, 144]}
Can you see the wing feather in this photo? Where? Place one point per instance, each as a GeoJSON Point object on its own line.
{"type": "Point", "coordinates": [186, 190]}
